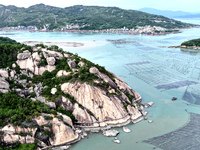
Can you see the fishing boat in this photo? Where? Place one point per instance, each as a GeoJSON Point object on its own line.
{"type": "Point", "coordinates": [174, 98]}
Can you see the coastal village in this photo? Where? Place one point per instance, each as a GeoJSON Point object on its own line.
{"type": "Point", "coordinates": [145, 30]}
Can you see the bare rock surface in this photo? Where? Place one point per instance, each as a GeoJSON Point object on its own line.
{"type": "Point", "coordinates": [48, 53]}
{"type": "Point", "coordinates": [72, 64]}
{"type": "Point", "coordinates": [4, 73]}
{"type": "Point", "coordinates": [134, 112]}
{"type": "Point", "coordinates": [40, 120]}
{"type": "Point", "coordinates": [110, 133]}
{"type": "Point", "coordinates": [30, 62]}
{"type": "Point", "coordinates": [63, 133]}
{"type": "Point", "coordinates": [11, 139]}
{"type": "Point", "coordinates": [62, 73]}
{"type": "Point", "coordinates": [82, 115]}
{"type": "Point", "coordinates": [104, 108]}
{"type": "Point", "coordinates": [51, 61]}
{"type": "Point", "coordinates": [67, 120]}
{"type": "Point", "coordinates": [24, 55]}
{"type": "Point", "coordinates": [3, 83]}
{"type": "Point", "coordinates": [10, 129]}
{"type": "Point", "coordinates": [66, 104]}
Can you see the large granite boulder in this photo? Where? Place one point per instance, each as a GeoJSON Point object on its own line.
{"type": "Point", "coordinates": [3, 83]}
{"type": "Point", "coordinates": [81, 64]}
{"type": "Point", "coordinates": [53, 91]}
{"type": "Point", "coordinates": [62, 73]}
{"type": "Point", "coordinates": [67, 120]}
{"type": "Point", "coordinates": [48, 53]}
{"type": "Point", "coordinates": [26, 54]}
{"type": "Point", "coordinates": [4, 73]}
{"type": "Point", "coordinates": [40, 120]}
{"type": "Point", "coordinates": [63, 133]}
{"type": "Point", "coordinates": [50, 104]}
{"type": "Point", "coordinates": [66, 104]}
{"type": "Point", "coordinates": [109, 133]}
{"type": "Point", "coordinates": [134, 112]}
{"type": "Point", "coordinates": [94, 70]}
{"type": "Point", "coordinates": [51, 61]}
{"type": "Point", "coordinates": [72, 64]}
{"type": "Point", "coordinates": [83, 116]}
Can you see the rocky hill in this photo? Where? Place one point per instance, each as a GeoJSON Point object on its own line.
{"type": "Point", "coordinates": [191, 43]}
{"type": "Point", "coordinates": [81, 17]}
{"type": "Point", "coordinates": [49, 97]}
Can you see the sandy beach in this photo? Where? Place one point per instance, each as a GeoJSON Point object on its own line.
{"type": "Point", "coordinates": [64, 44]}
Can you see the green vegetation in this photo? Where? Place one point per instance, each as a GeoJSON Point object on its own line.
{"type": "Point", "coordinates": [19, 146]}
{"type": "Point", "coordinates": [43, 61]}
{"type": "Point", "coordinates": [195, 42]}
{"type": "Point", "coordinates": [8, 50]}
{"type": "Point", "coordinates": [6, 40]}
{"type": "Point", "coordinates": [86, 17]}
{"type": "Point", "coordinates": [15, 109]}
{"type": "Point", "coordinates": [8, 54]}
{"type": "Point", "coordinates": [48, 117]}
{"type": "Point", "coordinates": [130, 97]}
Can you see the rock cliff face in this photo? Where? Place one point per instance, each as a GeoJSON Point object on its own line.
{"type": "Point", "coordinates": [93, 98]}
{"type": "Point", "coordinates": [104, 108]}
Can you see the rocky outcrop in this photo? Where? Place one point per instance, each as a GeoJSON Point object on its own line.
{"type": "Point", "coordinates": [110, 133]}
{"type": "Point", "coordinates": [108, 110]}
{"type": "Point", "coordinates": [104, 77]}
{"type": "Point", "coordinates": [125, 88]}
{"type": "Point", "coordinates": [12, 138]}
{"type": "Point", "coordinates": [134, 112]}
{"type": "Point", "coordinates": [30, 62]}
{"type": "Point", "coordinates": [40, 121]}
{"type": "Point", "coordinates": [66, 104]}
{"type": "Point", "coordinates": [72, 64]}
{"type": "Point", "coordinates": [4, 73]}
{"type": "Point", "coordinates": [53, 91]}
{"type": "Point", "coordinates": [51, 61]}
{"type": "Point", "coordinates": [10, 134]}
{"type": "Point", "coordinates": [67, 120]}
{"type": "Point", "coordinates": [4, 85]}
{"type": "Point", "coordinates": [10, 129]}
{"type": "Point", "coordinates": [50, 104]}
{"type": "Point", "coordinates": [83, 117]}
{"type": "Point", "coordinates": [81, 64]}
{"type": "Point", "coordinates": [63, 133]}
{"type": "Point", "coordinates": [48, 53]}
{"type": "Point", "coordinates": [22, 56]}
{"type": "Point", "coordinates": [62, 73]}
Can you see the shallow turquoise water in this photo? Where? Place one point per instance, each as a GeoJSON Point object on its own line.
{"type": "Point", "coordinates": [145, 66]}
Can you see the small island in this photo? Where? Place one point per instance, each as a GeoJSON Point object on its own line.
{"type": "Point", "coordinates": [50, 97]}
{"type": "Point", "coordinates": [192, 44]}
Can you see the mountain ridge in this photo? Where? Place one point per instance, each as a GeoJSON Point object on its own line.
{"type": "Point", "coordinates": [85, 17]}
{"type": "Point", "coordinates": [168, 13]}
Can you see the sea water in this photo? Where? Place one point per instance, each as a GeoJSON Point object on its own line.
{"type": "Point", "coordinates": [152, 69]}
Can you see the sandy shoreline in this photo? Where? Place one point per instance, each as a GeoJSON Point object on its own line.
{"type": "Point", "coordinates": [67, 44]}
